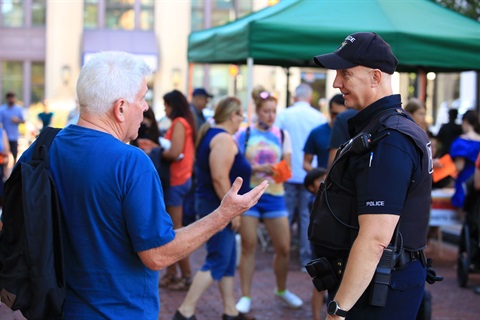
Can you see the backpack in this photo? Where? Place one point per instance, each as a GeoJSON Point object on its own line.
{"type": "Point", "coordinates": [162, 166]}
{"type": "Point", "coordinates": [31, 265]}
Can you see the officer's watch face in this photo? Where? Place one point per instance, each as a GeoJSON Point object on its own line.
{"type": "Point", "coordinates": [332, 308]}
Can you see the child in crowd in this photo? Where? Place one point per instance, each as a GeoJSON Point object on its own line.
{"type": "Point", "coordinates": [312, 182]}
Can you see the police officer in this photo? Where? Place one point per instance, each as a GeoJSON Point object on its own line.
{"type": "Point", "coordinates": [379, 178]}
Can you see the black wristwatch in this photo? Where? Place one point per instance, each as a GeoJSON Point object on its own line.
{"type": "Point", "coordinates": [333, 309]}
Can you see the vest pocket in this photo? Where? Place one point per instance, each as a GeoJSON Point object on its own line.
{"type": "Point", "coordinates": [333, 221]}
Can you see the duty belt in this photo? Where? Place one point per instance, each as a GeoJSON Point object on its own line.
{"type": "Point", "coordinates": [406, 256]}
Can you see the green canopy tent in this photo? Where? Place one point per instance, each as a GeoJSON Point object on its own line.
{"type": "Point", "coordinates": [423, 35]}
{"type": "Point", "coordinates": [420, 32]}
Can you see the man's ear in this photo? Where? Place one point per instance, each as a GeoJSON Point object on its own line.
{"type": "Point", "coordinates": [376, 77]}
{"type": "Point", "coordinates": [119, 110]}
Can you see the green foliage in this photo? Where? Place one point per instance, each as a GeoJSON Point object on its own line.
{"type": "Point", "coordinates": [470, 8]}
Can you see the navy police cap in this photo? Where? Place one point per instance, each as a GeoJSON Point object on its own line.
{"type": "Point", "coordinates": [366, 49]}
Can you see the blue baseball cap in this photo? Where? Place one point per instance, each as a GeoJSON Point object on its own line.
{"type": "Point", "coordinates": [201, 92]}
{"type": "Point", "coordinates": [366, 49]}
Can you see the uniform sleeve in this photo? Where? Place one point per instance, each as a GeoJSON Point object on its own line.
{"type": "Point", "coordinates": [384, 175]}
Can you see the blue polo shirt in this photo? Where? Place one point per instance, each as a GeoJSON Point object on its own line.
{"type": "Point", "coordinates": [318, 144]}
{"type": "Point", "coordinates": [339, 132]}
{"type": "Point", "coordinates": [112, 207]}
{"type": "Point", "coordinates": [6, 114]}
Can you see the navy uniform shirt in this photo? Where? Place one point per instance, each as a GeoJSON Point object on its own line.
{"type": "Point", "coordinates": [382, 177]}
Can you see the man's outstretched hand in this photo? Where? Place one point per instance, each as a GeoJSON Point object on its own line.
{"type": "Point", "coordinates": [234, 204]}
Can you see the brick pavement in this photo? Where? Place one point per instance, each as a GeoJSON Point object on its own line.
{"type": "Point", "coordinates": [449, 301]}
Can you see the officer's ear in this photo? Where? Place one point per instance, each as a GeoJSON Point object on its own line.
{"type": "Point", "coordinates": [376, 77]}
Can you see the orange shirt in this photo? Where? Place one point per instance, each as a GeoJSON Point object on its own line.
{"type": "Point", "coordinates": [181, 170]}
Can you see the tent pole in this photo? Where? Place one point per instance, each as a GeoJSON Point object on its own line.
{"type": "Point", "coordinates": [421, 85]}
{"type": "Point", "coordinates": [477, 98]}
{"type": "Point", "coordinates": [190, 81]}
{"type": "Point", "coordinates": [287, 72]}
{"type": "Point", "coordinates": [249, 89]}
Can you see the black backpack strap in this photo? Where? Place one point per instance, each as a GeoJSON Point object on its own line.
{"type": "Point", "coordinates": [282, 137]}
{"type": "Point", "coordinates": [247, 136]}
{"type": "Point", "coordinates": [43, 142]}
{"type": "Point", "coordinates": [369, 134]}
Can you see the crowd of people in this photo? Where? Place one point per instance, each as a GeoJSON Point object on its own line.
{"type": "Point", "coordinates": [143, 201]}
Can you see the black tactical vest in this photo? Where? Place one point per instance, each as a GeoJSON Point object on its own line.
{"type": "Point", "coordinates": [334, 221]}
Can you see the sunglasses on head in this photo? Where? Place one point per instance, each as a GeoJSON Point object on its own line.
{"type": "Point", "coordinates": [264, 95]}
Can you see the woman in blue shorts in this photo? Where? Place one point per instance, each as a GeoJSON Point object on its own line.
{"type": "Point", "coordinates": [218, 163]}
{"type": "Point", "coordinates": [181, 134]}
{"type": "Point", "coordinates": [264, 146]}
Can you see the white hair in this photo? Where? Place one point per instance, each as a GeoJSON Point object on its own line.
{"type": "Point", "coordinates": [303, 92]}
{"type": "Point", "coordinates": [107, 77]}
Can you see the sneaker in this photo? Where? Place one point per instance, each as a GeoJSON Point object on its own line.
{"type": "Point", "coordinates": [179, 316]}
{"type": "Point", "coordinates": [240, 316]}
{"type": "Point", "coordinates": [182, 284]}
{"type": "Point", "coordinates": [244, 304]}
{"type": "Point", "coordinates": [167, 280]}
{"type": "Point", "coordinates": [289, 298]}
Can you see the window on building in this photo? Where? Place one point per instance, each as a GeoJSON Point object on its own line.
{"type": "Point", "coordinates": [90, 14]}
{"type": "Point", "coordinates": [37, 82]}
{"type": "Point", "coordinates": [119, 14]}
{"type": "Point", "coordinates": [38, 12]}
{"type": "Point", "coordinates": [196, 22]}
{"type": "Point", "coordinates": [222, 11]}
{"type": "Point", "coordinates": [244, 8]}
{"type": "Point", "coordinates": [12, 13]}
{"type": "Point", "coordinates": [12, 78]}
{"type": "Point", "coordinates": [147, 9]}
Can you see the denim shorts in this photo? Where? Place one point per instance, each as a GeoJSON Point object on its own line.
{"type": "Point", "coordinates": [175, 195]}
{"type": "Point", "coordinates": [268, 207]}
{"type": "Point", "coordinates": [221, 254]}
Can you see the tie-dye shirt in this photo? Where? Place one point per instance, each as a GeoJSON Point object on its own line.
{"type": "Point", "coordinates": [264, 147]}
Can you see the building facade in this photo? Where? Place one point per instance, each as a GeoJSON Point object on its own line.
{"type": "Point", "coordinates": [44, 43]}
